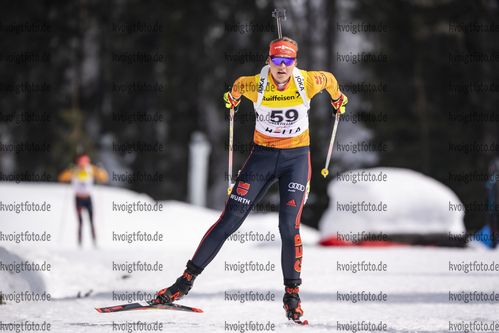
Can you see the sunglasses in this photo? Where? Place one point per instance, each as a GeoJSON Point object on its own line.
{"type": "Point", "coordinates": [278, 60]}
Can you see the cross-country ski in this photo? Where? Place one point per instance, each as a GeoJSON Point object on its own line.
{"type": "Point", "coordinates": [147, 306]}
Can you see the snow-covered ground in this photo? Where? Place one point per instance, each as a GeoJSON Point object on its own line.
{"type": "Point", "coordinates": [416, 286]}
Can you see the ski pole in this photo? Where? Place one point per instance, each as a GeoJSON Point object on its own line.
{"type": "Point", "coordinates": [231, 140]}
{"type": "Point", "coordinates": [324, 171]}
{"type": "Point", "coordinates": [279, 13]}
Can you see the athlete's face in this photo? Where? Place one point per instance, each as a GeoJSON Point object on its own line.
{"type": "Point", "coordinates": [281, 73]}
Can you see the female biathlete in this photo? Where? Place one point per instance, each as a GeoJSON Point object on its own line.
{"type": "Point", "coordinates": [281, 95]}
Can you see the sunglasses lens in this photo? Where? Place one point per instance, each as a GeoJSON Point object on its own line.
{"type": "Point", "coordinates": [287, 61]}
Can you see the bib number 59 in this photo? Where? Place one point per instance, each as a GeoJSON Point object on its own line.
{"type": "Point", "coordinates": [278, 116]}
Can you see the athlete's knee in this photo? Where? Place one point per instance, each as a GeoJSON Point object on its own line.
{"type": "Point", "coordinates": [288, 220]}
{"type": "Point", "coordinates": [288, 233]}
{"type": "Point", "coordinates": [227, 225]}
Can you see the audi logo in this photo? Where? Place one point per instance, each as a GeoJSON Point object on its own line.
{"type": "Point", "coordinates": [296, 186]}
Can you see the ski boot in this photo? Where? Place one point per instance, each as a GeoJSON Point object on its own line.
{"type": "Point", "coordinates": [292, 303]}
{"type": "Point", "coordinates": [180, 288]}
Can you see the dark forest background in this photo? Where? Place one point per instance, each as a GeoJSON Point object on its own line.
{"type": "Point", "coordinates": [429, 76]}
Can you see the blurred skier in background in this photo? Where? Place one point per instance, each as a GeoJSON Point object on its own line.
{"type": "Point", "coordinates": [82, 177]}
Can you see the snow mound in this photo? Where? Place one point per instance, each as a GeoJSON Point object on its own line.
{"type": "Point", "coordinates": [391, 201]}
{"type": "Point", "coordinates": [16, 278]}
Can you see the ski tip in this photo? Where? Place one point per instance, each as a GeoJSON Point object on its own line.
{"type": "Point", "coordinates": [298, 321]}
{"type": "Point", "coordinates": [98, 310]}
{"type": "Point", "coordinates": [197, 310]}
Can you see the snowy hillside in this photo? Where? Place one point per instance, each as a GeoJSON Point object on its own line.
{"type": "Point", "coordinates": [416, 289]}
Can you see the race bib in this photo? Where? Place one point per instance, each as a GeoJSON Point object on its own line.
{"type": "Point", "coordinates": [282, 122]}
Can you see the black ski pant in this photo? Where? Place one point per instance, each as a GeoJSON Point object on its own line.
{"type": "Point", "coordinates": [80, 204]}
{"type": "Point", "coordinates": [265, 166]}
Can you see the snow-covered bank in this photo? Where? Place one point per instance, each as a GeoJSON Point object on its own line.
{"type": "Point", "coordinates": [118, 213]}
{"type": "Point", "coordinates": [417, 285]}
{"type": "Point", "coordinates": [390, 201]}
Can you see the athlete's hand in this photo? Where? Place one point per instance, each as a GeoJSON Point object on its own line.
{"type": "Point", "coordinates": [339, 104]}
{"type": "Point", "coordinates": [231, 102]}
